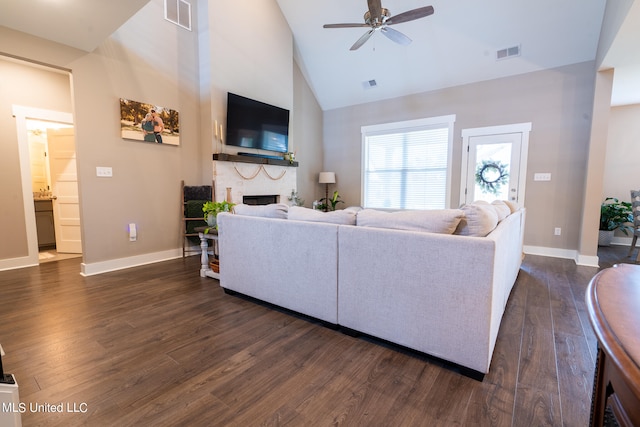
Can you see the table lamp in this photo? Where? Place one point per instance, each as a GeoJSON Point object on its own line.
{"type": "Point", "coordinates": [327, 178]}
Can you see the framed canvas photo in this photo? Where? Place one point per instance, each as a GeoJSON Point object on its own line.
{"type": "Point", "coordinates": [149, 123]}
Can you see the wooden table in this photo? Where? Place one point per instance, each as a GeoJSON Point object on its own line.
{"type": "Point", "coordinates": [613, 301]}
{"type": "Point", "coordinates": [211, 234]}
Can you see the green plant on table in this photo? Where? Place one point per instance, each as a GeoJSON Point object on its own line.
{"type": "Point", "coordinates": [214, 208]}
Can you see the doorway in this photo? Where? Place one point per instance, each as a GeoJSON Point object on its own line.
{"type": "Point", "coordinates": [494, 163]}
{"type": "Point", "coordinates": [24, 116]}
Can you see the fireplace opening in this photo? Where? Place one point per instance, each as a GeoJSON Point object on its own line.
{"type": "Point", "coordinates": [260, 200]}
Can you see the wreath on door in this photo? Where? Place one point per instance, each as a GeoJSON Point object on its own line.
{"type": "Point", "coordinates": [491, 175]}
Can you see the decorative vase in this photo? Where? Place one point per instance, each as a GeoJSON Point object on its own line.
{"type": "Point", "coordinates": [229, 194]}
{"type": "Point", "coordinates": [211, 220]}
{"type": "Point", "coordinates": [605, 237]}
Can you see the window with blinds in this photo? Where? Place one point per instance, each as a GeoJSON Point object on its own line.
{"type": "Point", "coordinates": [407, 165]}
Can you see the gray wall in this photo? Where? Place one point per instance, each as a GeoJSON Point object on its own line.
{"type": "Point", "coordinates": [622, 173]}
{"type": "Point", "coordinates": [25, 86]}
{"type": "Point", "coordinates": [557, 102]}
{"type": "Point", "coordinates": [150, 60]}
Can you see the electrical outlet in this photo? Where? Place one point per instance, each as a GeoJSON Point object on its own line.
{"type": "Point", "coordinates": [104, 171]}
{"type": "Point", "coordinates": [557, 231]}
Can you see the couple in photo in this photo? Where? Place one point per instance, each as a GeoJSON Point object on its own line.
{"type": "Point", "coordinates": [152, 126]}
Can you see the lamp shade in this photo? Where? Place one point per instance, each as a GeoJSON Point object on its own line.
{"type": "Point", "coordinates": [327, 178]}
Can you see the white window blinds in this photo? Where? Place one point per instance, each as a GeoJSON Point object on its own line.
{"type": "Point", "coordinates": [407, 165]}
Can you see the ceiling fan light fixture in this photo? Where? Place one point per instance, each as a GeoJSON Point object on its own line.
{"type": "Point", "coordinates": [379, 18]}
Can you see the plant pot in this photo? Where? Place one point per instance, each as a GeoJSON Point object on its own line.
{"type": "Point", "coordinates": [211, 220]}
{"type": "Point", "coordinates": [605, 237]}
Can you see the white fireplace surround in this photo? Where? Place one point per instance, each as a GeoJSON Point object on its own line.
{"type": "Point", "coordinates": [253, 179]}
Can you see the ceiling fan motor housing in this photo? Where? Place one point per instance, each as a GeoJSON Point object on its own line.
{"type": "Point", "coordinates": [378, 20]}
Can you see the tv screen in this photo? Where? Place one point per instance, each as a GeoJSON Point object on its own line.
{"type": "Point", "coordinates": [254, 124]}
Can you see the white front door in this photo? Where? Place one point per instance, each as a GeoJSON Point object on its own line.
{"type": "Point", "coordinates": [64, 190]}
{"type": "Point", "coordinates": [494, 163]}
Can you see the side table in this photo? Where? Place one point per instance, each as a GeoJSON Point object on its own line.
{"type": "Point", "coordinates": [212, 234]}
{"type": "Point", "coordinates": [613, 302]}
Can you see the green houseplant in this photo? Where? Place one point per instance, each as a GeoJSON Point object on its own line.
{"type": "Point", "coordinates": [212, 209]}
{"type": "Point", "coordinates": [614, 215]}
{"type": "Point", "coordinates": [331, 203]}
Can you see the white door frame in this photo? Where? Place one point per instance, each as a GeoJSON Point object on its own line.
{"type": "Point", "coordinates": [22, 113]}
{"type": "Point", "coordinates": [523, 128]}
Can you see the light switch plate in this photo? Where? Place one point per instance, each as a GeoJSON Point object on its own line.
{"type": "Point", "coordinates": [104, 171]}
{"type": "Point", "coordinates": [542, 177]}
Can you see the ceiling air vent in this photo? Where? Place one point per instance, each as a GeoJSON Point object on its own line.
{"type": "Point", "coordinates": [178, 12]}
{"type": "Point", "coordinates": [369, 84]}
{"type": "Point", "coordinates": [508, 52]}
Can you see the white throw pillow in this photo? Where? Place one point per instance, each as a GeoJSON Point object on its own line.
{"type": "Point", "coordinates": [443, 221]}
{"type": "Point", "coordinates": [502, 209]}
{"type": "Point", "coordinates": [341, 217]}
{"type": "Point", "coordinates": [274, 210]}
{"type": "Point", "coordinates": [479, 220]}
{"type": "Point", "coordinates": [514, 206]}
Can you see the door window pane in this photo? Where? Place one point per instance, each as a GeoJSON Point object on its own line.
{"type": "Point", "coordinates": [492, 172]}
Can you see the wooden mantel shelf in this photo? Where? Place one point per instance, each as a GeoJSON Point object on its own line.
{"type": "Point", "coordinates": [222, 157]}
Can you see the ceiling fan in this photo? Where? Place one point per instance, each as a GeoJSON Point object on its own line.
{"type": "Point", "coordinates": [379, 18]}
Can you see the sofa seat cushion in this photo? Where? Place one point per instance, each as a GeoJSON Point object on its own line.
{"type": "Point", "coordinates": [443, 221]}
{"type": "Point", "coordinates": [274, 210]}
{"type": "Point", "coordinates": [479, 220]}
{"type": "Point", "coordinates": [341, 217]}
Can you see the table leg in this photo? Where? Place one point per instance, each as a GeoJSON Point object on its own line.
{"type": "Point", "coordinates": [204, 257]}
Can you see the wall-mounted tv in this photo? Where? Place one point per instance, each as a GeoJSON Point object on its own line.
{"type": "Point", "coordinates": [254, 124]}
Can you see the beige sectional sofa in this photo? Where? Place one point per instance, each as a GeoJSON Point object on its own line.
{"type": "Point", "coordinates": [433, 281]}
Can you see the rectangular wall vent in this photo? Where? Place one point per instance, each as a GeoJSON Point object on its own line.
{"type": "Point", "coordinates": [369, 84]}
{"type": "Point", "coordinates": [508, 52]}
{"type": "Point", "coordinates": [178, 12]}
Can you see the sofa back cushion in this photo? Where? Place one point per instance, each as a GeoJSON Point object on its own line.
{"type": "Point", "coordinates": [443, 221]}
{"type": "Point", "coordinates": [502, 209]}
{"type": "Point", "coordinates": [274, 210]}
{"type": "Point", "coordinates": [479, 220]}
{"type": "Point", "coordinates": [341, 217]}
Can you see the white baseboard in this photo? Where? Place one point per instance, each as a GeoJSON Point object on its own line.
{"type": "Point", "coordinates": [128, 262]}
{"type": "Point", "coordinates": [587, 260]}
{"type": "Point", "coordinates": [550, 252]}
{"type": "Point", "coordinates": [14, 263]}
{"type": "Point", "coordinates": [621, 241]}
{"type": "Point", "coordinates": [579, 259]}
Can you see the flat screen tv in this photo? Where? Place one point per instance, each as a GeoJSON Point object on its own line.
{"type": "Point", "coordinates": [254, 124]}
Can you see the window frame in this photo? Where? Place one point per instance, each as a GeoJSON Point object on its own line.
{"type": "Point", "coordinates": [407, 126]}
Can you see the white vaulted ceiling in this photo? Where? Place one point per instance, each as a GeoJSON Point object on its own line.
{"type": "Point", "coordinates": [456, 45]}
{"type": "Point", "coordinates": [82, 24]}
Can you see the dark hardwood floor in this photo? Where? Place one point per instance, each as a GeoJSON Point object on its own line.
{"type": "Point", "coordinates": [158, 345]}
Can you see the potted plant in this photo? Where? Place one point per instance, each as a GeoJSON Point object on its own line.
{"type": "Point", "coordinates": [614, 215]}
{"type": "Point", "coordinates": [330, 204]}
{"type": "Point", "coordinates": [212, 209]}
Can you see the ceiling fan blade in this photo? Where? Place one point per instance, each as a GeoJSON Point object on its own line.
{"type": "Point", "coordinates": [344, 25]}
{"type": "Point", "coordinates": [362, 40]}
{"type": "Point", "coordinates": [396, 36]}
{"type": "Point", "coordinates": [410, 15]}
